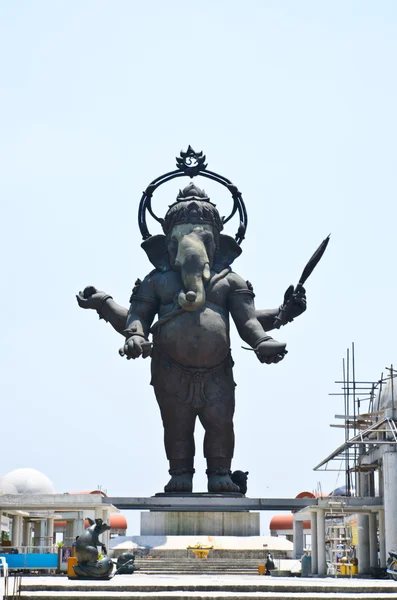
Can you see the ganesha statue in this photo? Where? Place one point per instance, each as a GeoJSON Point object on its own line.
{"type": "Point", "coordinates": [193, 291]}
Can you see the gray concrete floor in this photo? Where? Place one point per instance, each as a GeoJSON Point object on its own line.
{"type": "Point", "coordinates": [178, 582]}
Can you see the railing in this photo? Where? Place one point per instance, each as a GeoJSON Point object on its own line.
{"type": "Point", "coordinates": [16, 588]}
{"type": "Point", "coordinates": [50, 549]}
{"type": "Point", "coordinates": [3, 578]}
{"type": "Point", "coordinates": [30, 557]}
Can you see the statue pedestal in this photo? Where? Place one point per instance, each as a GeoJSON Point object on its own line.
{"type": "Point", "coordinates": [241, 523]}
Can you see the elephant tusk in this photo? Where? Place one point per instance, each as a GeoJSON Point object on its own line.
{"type": "Point", "coordinates": [206, 272]}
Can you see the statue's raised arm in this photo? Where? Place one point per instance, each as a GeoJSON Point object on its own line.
{"type": "Point", "coordinates": [105, 306]}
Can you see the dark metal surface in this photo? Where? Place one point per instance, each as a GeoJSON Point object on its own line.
{"type": "Point", "coordinates": [88, 564]}
{"type": "Point", "coordinates": [314, 260]}
{"type": "Point", "coordinates": [194, 292]}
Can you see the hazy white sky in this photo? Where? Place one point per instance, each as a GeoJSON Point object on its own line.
{"type": "Point", "coordinates": [293, 101]}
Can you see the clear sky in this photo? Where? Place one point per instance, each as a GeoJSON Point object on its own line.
{"type": "Point", "coordinates": [293, 101]}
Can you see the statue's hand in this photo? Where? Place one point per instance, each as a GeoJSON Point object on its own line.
{"type": "Point", "coordinates": [294, 302]}
{"type": "Point", "coordinates": [270, 351]}
{"type": "Point", "coordinates": [299, 302]}
{"type": "Point", "coordinates": [135, 346]}
{"type": "Point", "coordinates": [90, 297]}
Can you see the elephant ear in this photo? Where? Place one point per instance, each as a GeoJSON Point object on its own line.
{"type": "Point", "coordinates": [156, 249]}
{"type": "Point", "coordinates": [228, 251]}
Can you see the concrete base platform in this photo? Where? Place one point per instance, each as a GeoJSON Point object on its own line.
{"type": "Point", "coordinates": [242, 523]}
{"type": "Point", "coordinates": [199, 495]}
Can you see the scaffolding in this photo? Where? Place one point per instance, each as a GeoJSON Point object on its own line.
{"type": "Point", "coordinates": [367, 424]}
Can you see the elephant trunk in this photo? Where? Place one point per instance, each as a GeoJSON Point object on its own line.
{"type": "Point", "coordinates": [194, 298]}
{"type": "Point", "coordinates": [192, 259]}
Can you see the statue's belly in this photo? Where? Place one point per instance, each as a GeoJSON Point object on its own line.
{"type": "Point", "coordinates": [195, 339]}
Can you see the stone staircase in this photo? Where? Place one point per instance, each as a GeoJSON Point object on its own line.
{"type": "Point", "coordinates": [205, 587]}
{"type": "Point", "coordinates": [244, 566]}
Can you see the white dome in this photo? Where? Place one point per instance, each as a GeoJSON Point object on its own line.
{"type": "Point", "coordinates": [6, 487]}
{"type": "Point", "coordinates": [28, 481]}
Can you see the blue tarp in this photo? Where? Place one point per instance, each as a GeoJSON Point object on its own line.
{"type": "Point", "coordinates": [31, 561]}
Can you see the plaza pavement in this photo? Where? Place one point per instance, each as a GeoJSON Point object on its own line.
{"type": "Point", "coordinates": [220, 587]}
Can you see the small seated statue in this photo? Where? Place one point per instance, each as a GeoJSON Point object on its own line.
{"type": "Point", "coordinates": [88, 566]}
{"type": "Point", "coordinates": [240, 479]}
{"type": "Point", "coordinates": [125, 564]}
{"type": "Point", "coordinates": [270, 566]}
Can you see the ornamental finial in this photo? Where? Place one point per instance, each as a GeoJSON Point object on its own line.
{"type": "Point", "coordinates": [191, 162]}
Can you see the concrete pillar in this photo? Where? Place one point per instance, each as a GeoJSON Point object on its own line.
{"type": "Point", "coordinates": [322, 563]}
{"type": "Point", "coordinates": [390, 499]}
{"type": "Point", "coordinates": [106, 535]}
{"type": "Point", "coordinates": [50, 532]}
{"type": "Point", "coordinates": [298, 538]}
{"type": "Point", "coordinates": [78, 526]}
{"type": "Point", "coordinates": [36, 533]}
{"type": "Point", "coordinates": [382, 545]}
{"type": "Point", "coordinates": [314, 546]}
{"type": "Point", "coordinates": [69, 537]}
{"type": "Point", "coordinates": [43, 532]}
{"type": "Point", "coordinates": [26, 534]}
{"type": "Point", "coordinates": [17, 531]}
{"type": "Point", "coordinates": [380, 482]}
{"type": "Point", "coordinates": [363, 544]}
{"type": "Point", "coordinates": [40, 533]}
{"type": "Point", "coordinates": [373, 541]}
{"type": "Point", "coordinates": [371, 484]}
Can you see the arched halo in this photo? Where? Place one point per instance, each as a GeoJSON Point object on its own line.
{"type": "Point", "coordinates": [190, 164]}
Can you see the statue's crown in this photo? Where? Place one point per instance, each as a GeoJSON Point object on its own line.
{"type": "Point", "coordinates": [192, 206]}
{"type": "Point", "coordinates": [192, 192]}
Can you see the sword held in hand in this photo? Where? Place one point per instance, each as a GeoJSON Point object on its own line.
{"type": "Point", "coordinates": [283, 316]}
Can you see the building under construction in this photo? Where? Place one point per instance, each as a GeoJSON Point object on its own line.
{"type": "Point", "coordinates": [368, 458]}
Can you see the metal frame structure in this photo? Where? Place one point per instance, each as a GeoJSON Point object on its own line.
{"type": "Point", "coordinates": [364, 431]}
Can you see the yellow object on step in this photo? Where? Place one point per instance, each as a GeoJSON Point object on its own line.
{"type": "Point", "coordinates": [72, 561]}
{"type": "Point", "coordinates": [261, 569]}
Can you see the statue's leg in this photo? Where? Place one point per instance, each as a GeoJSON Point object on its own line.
{"type": "Point", "coordinates": [178, 422]}
{"type": "Point", "coordinates": [179, 418]}
{"type": "Point", "coordinates": [217, 419]}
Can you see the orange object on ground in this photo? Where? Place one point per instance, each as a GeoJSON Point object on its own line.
{"type": "Point", "coordinates": [261, 569]}
{"type": "Point", "coordinates": [72, 561]}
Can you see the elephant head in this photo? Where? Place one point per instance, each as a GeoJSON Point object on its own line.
{"type": "Point", "coordinates": [192, 245]}
{"type": "Point", "coordinates": [191, 250]}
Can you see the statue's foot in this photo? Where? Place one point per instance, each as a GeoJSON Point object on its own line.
{"type": "Point", "coordinates": [181, 481]}
{"type": "Point", "coordinates": [219, 481]}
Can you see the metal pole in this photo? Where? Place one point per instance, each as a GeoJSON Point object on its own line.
{"type": "Point", "coordinates": [348, 489]}
{"type": "Point", "coordinates": [354, 415]}
{"type": "Point", "coordinates": [346, 434]}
